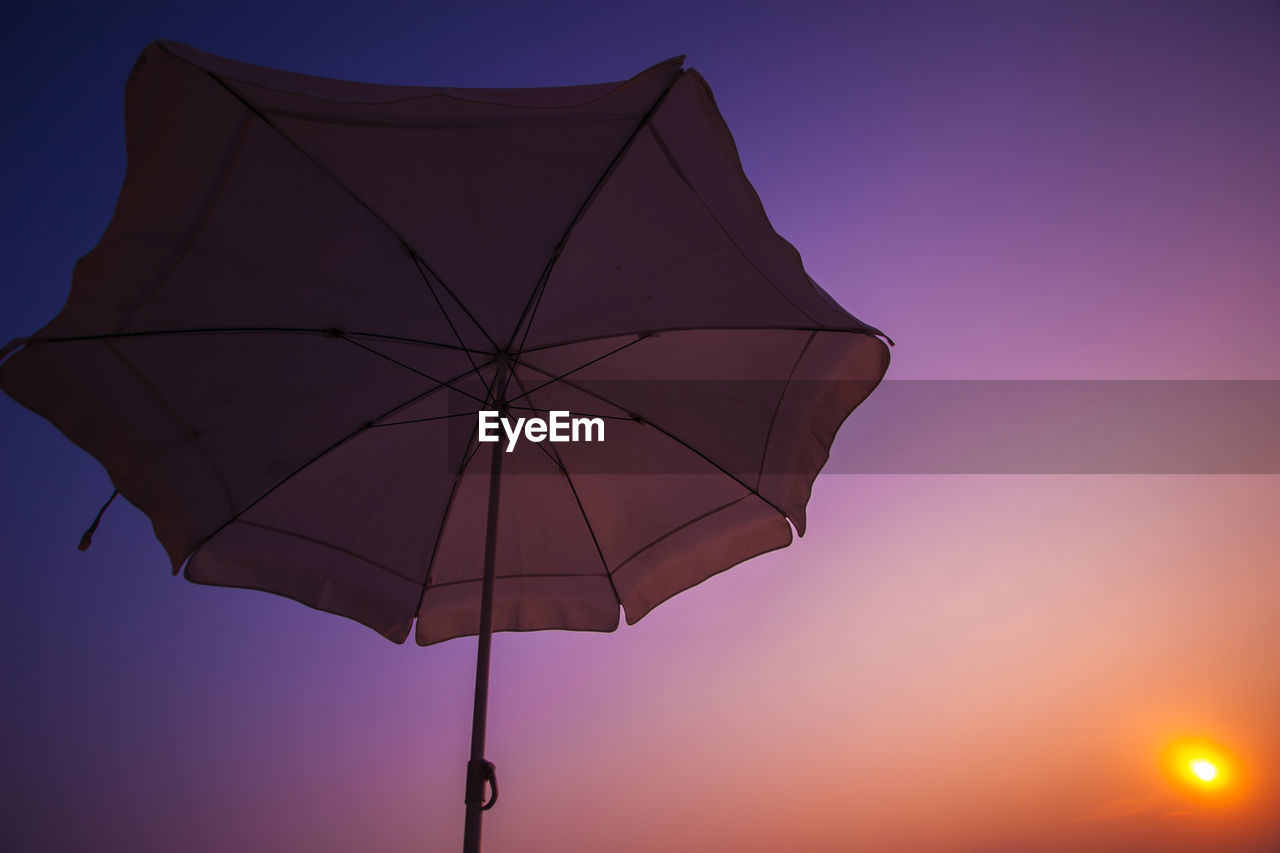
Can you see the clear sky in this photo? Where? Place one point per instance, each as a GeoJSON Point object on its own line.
{"type": "Point", "coordinates": [978, 662]}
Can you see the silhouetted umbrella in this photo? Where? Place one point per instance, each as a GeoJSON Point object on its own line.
{"type": "Point", "coordinates": [311, 287]}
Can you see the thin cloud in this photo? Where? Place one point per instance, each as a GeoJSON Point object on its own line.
{"type": "Point", "coordinates": [1121, 808]}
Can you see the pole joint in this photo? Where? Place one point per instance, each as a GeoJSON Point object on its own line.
{"type": "Point", "coordinates": [480, 772]}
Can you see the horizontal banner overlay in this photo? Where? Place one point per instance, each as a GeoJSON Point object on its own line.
{"type": "Point", "coordinates": [1064, 427]}
{"type": "Point", "coordinates": [753, 428]}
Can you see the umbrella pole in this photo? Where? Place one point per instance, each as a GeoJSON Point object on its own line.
{"type": "Point", "coordinates": [479, 770]}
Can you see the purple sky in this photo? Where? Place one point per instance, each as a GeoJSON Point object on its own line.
{"type": "Point", "coordinates": [1079, 190]}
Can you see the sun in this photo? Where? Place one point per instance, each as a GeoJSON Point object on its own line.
{"type": "Point", "coordinates": [1204, 770]}
{"type": "Point", "coordinates": [1200, 765]}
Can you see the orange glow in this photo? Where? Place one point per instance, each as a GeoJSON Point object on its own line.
{"type": "Point", "coordinates": [1200, 765]}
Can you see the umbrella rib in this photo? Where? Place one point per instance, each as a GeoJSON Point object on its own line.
{"type": "Point", "coordinates": [414, 370]}
{"type": "Point", "coordinates": [471, 453]}
{"type": "Point", "coordinates": [406, 125]}
{"type": "Point", "coordinates": [304, 537]}
{"type": "Point", "coordinates": [675, 166]}
{"type": "Point", "coordinates": [473, 443]}
{"type": "Point", "coordinates": [595, 540]}
{"type": "Point", "coordinates": [188, 431]}
{"type": "Point", "coordinates": [578, 412]}
{"type": "Point", "coordinates": [473, 448]}
{"type": "Point", "coordinates": [447, 383]}
{"type": "Point", "coordinates": [231, 90]}
{"type": "Point", "coordinates": [782, 395]}
{"type": "Point", "coordinates": [674, 530]}
{"type": "Point", "coordinates": [188, 239]}
{"type": "Point", "coordinates": [364, 427]}
{"type": "Point", "coordinates": [422, 268]}
{"type": "Point", "coordinates": [530, 576]}
{"type": "Point", "coordinates": [248, 330]}
{"type": "Point", "coordinates": [552, 454]}
{"type": "Point", "coordinates": [645, 421]}
{"type": "Point", "coordinates": [861, 329]}
{"type": "Point", "coordinates": [535, 298]}
{"type": "Point", "coordinates": [526, 393]}
{"type": "Point", "coordinates": [424, 420]}
{"type": "Point", "coordinates": [494, 394]}
{"type": "Point", "coordinates": [444, 519]}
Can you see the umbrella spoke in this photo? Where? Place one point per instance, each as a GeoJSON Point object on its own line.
{"type": "Point", "coordinates": [555, 456]}
{"type": "Point", "coordinates": [585, 364]}
{"type": "Point", "coordinates": [680, 173]}
{"type": "Point", "coordinates": [424, 420]}
{"type": "Point", "coordinates": [439, 382]}
{"type": "Point", "coordinates": [360, 430]}
{"type": "Point", "coordinates": [673, 437]}
{"type": "Point", "coordinates": [777, 406]}
{"type": "Point", "coordinates": [293, 534]}
{"type": "Point", "coordinates": [473, 447]}
{"type": "Point", "coordinates": [525, 323]}
{"type": "Point", "coordinates": [512, 577]}
{"type": "Point", "coordinates": [247, 330]}
{"type": "Point", "coordinates": [674, 530]}
{"type": "Point", "coordinates": [857, 328]}
{"type": "Point", "coordinates": [427, 274]}
{"type": "Point", "coordinates": [339, 182]}
{"type": "Point", "coordinates": [171, 412]}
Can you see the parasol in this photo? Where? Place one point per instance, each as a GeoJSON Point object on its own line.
{"type": "Point", "coordinates": [446, 361]}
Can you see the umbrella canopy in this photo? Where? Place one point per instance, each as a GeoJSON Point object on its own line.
{"type": "Point", "coordinates": [311, 288]}
{"type": "Point", "coordinates": [279, 345]}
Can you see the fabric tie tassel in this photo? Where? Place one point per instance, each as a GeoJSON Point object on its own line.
{"type": "Point", "coordinates": [87, 539]}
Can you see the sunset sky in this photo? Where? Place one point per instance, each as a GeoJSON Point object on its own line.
{"type": "Point", "coordinates": [971, 662]}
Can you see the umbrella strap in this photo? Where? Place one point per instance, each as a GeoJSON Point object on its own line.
{"type": "Point", "coordinates": [480, 771]}
{"type": "Point", "coordinates": [87, 539]}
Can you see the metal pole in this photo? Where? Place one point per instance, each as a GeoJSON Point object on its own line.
{"type": "Point", "coordinates": [478, 769]}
